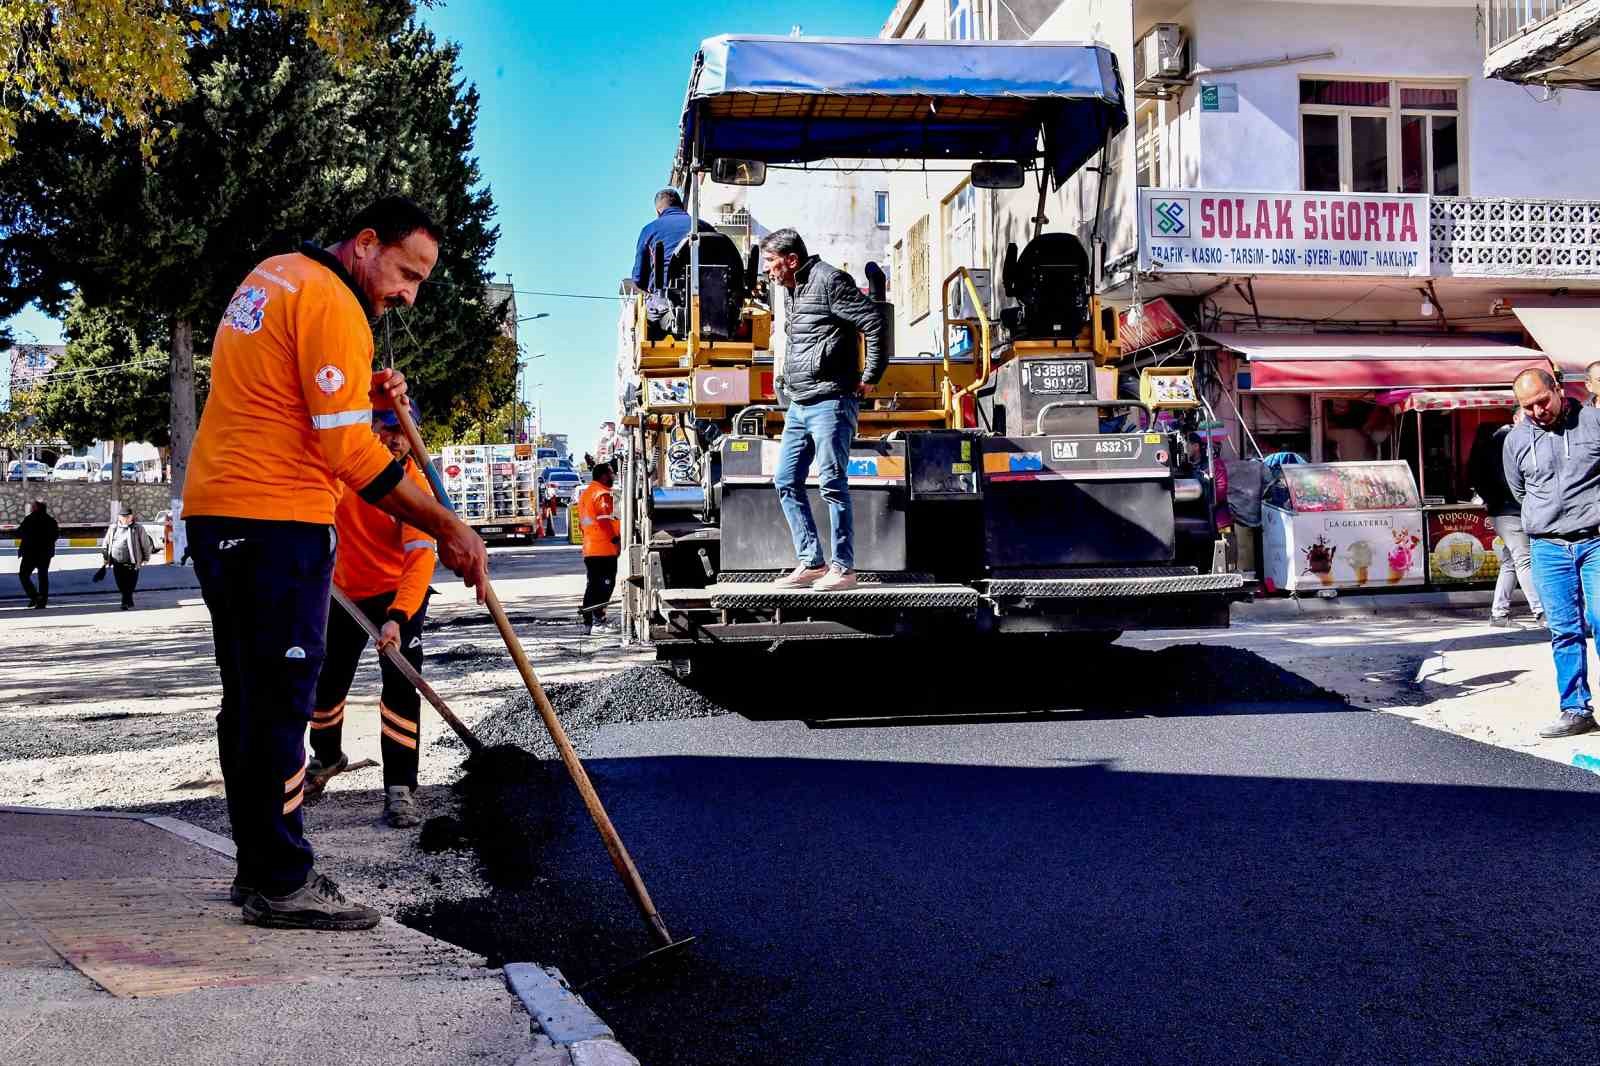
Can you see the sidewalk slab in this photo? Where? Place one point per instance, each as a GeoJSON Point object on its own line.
{"type": "Point", "coordinates": [1371, 604]}
{"type": "Point", "coordinates": [118, 944]}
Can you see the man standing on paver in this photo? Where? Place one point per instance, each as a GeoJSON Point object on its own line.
{"type": "Point", "coordinates": [36, 545]}
{"type": "Point", "coordinates": [287, 421]}
{"type": "Point", "coordinates": [1552, 465]}
{"type": "Point", "coordinates": [383, 566]}
{"type": "Point", "coordinates": [824, 382]}
{"type": "Point", "coordinates": [602, 543]}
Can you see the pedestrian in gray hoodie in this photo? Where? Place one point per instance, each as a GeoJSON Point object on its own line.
{"type": "Point", "coordinates": [1552, 465]}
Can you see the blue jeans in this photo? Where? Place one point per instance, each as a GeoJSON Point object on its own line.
{"type": "Point", "coordinates": [821, 430]}
{"type": "Point", "coordinates": [1568, 577]}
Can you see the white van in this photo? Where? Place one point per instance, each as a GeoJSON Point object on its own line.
{"type": "Point", "coordinates": [74, 468]}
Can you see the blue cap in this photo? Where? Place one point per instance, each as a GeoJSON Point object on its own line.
{"type": "Point", "coordinates": [386, 417]}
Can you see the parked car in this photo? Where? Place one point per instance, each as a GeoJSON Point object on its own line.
{"type": "Point", "coordinates": [131, 472]}
{"type": "Point", "coordinates": [73, 468]}
{"type": "Point", "coordinates": [566, 482]}
{"type": "Point", "coordinates": [35, 470]}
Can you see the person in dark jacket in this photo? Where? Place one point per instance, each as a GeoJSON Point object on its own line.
{"type": "Point", "coordinates": [1552, 467]}
{"type": "Point", "coordinates": [668, 229]}
{"type": "Point", "coordinates": [1487, 472]}
{"type": "Point", "coordinates": [36, 545]}
{"type": "Point", "coordinates": [823, 379]}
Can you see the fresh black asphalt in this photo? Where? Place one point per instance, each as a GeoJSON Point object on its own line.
{"type": "Point", "coordinates": [1281, 882]}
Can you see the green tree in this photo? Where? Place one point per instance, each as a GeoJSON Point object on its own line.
{"type": "Point", "coordinates": [118, 65]}
{"type": "Point", "coordinates": [110, 384]}
{"type": "Point", "coordinates": [276, 144]}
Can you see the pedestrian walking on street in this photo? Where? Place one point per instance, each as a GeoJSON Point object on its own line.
{"type": "Point", "coordinates": [126, 547]}
{"type": "Point", "coordinates": [1486, 470]}
{"type": "Point", "coordinates": [383, 566]}
{"type": "Point", "coordinates": [1552, 467]}
{"type": "Point", "coordinates": [824, 382]}
{"type": "Point", "coordinates": [36, 546]}
{"type": "Point", "coordinates": [602, 543]}
{"type": "Point", "coordinates": [287, 423]}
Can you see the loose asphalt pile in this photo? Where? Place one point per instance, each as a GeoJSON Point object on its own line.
{"type": "Point", "coordinates": [638, 694]}
{"type": "Point", "coordinates": [69, 736]}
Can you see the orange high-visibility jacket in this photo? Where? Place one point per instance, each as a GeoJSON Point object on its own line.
{"type": "Point", "coordinates": [379, 554]}
{"type": "Point", "coordinates": [598, 522]}
{"type": "Point", "coordinates": [289, 417]}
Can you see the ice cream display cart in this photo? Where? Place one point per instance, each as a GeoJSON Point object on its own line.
{"type": "Point", "coordinates": [1342, 526]}
{"type": "Point", "coordinates": [1458, 537]}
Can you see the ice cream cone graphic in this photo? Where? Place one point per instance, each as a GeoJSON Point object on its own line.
{"type": "Point", "coordinates": [1360, 556]}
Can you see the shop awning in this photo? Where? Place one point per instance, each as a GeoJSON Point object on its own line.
{"type": "Point", "coordinates": [1567, 329]}
{"type": "Point", "coordinates": [1464, 400]}
{"type": "Point", "coordinates": [1332, 362]}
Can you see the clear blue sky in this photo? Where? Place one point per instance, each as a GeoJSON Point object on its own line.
{"type": "Point", "coordinates": [576, 130]}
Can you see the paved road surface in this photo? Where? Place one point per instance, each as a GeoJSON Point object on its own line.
{"type": "Point", "coordinates": [1207, 884]}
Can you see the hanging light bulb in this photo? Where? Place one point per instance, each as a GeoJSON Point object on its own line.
{"type": "Point", "coordinates": [1427, 308]}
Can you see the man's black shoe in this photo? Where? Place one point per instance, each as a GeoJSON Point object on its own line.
{"type": "Point", "coordinates": [317, 904]}
{"type": "Point", "coordinates": [1569, 724]}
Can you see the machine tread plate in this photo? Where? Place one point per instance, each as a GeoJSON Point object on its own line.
{"type": "Point", "coordinates": [865, 577]}
{"type": "Point", "coordinates": [1095, 572]}
{"type": "Point", "coordinates": [753, 596]}
{"type": "Point", "coordinates": [1101, 588]}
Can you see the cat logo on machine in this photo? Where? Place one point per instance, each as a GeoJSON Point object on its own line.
{"type": "Point", "coordinates": [1064, 449]}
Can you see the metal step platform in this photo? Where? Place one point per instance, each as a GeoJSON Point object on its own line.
{"type": "Point", "coordinates": [1101, 587]}
{"type": "Point", "coordinates": [763, 596]}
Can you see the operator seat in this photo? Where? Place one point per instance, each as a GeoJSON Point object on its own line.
{"type": "Point", "coordinates": [724, 282]}
{"type": "Point", "coordinates": [1050, 282]}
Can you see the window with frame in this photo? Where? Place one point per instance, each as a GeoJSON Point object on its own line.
{"type": "Point", "coordinates": [959, 21]}
{"type": "Point", "coordinates": [1380, 136]}
{"type": "Point", "coordinates": [880, 208]}
{"type": "Point", "coordinates": [1147, 147]}
{"type": "Point", "coordinates": [960, 229]}
{"type": "Point", "coordinates": [917, 280]}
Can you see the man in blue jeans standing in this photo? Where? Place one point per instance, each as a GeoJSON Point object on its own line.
{"type": "Point", "coordinates": [1552, 463]}
{"type": "Point", "coordinates": [823, 378]}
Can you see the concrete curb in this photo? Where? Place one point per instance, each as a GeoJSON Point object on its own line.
{"type": "Point", "coordinates": [205, 838]}
{"type": "Point", "coordinates": [1278, 609]}
{"type": "Point", "coordinates": [564, 1017]}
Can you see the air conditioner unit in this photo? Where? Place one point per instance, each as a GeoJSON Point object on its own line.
{"type": "Point", "coordinates": [1160, 60]}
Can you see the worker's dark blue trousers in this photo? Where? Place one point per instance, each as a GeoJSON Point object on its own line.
{"type": "Point", "coordinates": [266, 585]}
{"type": "Point", "coordinates": [400, 706]}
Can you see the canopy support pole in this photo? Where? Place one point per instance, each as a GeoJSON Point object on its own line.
{"type": "Point", "coordinates": [693, 339]}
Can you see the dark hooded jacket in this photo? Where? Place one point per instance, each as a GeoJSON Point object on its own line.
{"type": "Point", "coordinates": [826, 311]}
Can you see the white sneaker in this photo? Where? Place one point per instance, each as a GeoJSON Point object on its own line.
{"type": "Point", "coordinates": [801, 577]}
{"type": "Point", "coordinates": [837, 579]}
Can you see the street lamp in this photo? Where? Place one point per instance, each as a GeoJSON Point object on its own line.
{"type": "Point", "coordinates": [522, 392]}
{"type": "Point", "coordinates": [535, 315]}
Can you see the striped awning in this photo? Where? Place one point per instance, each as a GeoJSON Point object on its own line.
{"type": "Point", "coordinates": [1458, 400]}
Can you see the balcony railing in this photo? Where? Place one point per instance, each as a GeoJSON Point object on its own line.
{"type": "Point", "coordinates": [1514, 237]}
{"type": "Point", "coordinates": [1512, 18]}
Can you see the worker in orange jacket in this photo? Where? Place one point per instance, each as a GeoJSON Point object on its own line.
{"type": "Point", "coordinates": [288, 422]}
{"type": "Point", "coordinates": [383, 566]}
{"type": "Point", "coordinates": [602, 543]}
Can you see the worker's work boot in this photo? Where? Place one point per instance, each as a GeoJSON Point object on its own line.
{"type": "Point", "coordinates": [240, 891]}
{"type": "Point", "coordinates": [837, 579]}
{"type": "Point", "coordinates": [400, 807]}
{"type": "Point", "coordinates": [319, 774]}
{"type": "Point", "coordinates": [317, 904]}
{"type": "Point", "coordinates": [801, 577]}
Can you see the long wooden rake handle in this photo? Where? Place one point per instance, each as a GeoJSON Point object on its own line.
{"type": "Point", "coordinates": [474, 745]}
{"type": "Point", "coordinates": [569, 758]}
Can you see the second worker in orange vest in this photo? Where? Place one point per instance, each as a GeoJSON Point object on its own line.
{"type": "Point", "coordinates": [602, 543]}
{"type": "Point", "coordinates": [383, 566]}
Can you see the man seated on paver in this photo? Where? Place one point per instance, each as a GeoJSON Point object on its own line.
{"type": "Point", "coordinates": [384, 566]}
{"type": "Point", "coordinates": [1552, 466]}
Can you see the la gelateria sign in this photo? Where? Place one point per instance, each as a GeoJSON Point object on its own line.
{"type": "Point", "coordinates": [1194, 231]}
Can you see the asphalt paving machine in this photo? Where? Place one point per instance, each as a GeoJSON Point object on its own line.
{"type": "Point", "coordinates": [1003, 486]}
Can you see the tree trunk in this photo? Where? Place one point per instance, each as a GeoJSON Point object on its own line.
{"type": "Point", "coordinates": [184, 422]}
{"type": "Point", "coordinates": [116, 478]}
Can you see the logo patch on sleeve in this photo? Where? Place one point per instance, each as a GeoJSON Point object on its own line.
{"type": "Point", "coordinates": [246, 309]}
{"type": "Point", "coordinates": [330, 379]}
